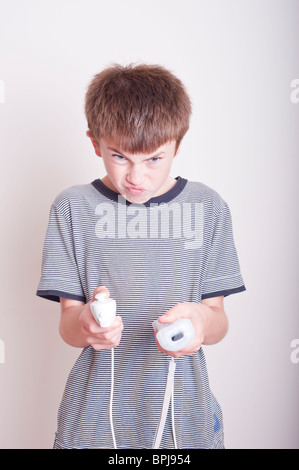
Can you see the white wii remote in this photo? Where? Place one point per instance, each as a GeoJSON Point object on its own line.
{"type": "Point", "coordinates": [176, 335]}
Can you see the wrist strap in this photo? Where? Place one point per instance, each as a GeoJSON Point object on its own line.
{"type": "Point", "coordinates": [167, 397]}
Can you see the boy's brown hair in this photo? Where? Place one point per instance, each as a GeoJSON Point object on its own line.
{"type": "Point", "coordinates": [139, 108]}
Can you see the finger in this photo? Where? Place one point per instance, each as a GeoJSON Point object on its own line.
{"type": "Point", "coordinates": [116, 325]}
{"type": "Point", "coordinates": [105, 343]}
{"type": "Point", "coordinates": [99, 347]}
{"type": "Point", "coordinates": [111, 334]}
{"type": "Point", "coordinates": [97, 331]}
{"type": "Point", "coordinates": [98, 290]}
{"type": "Point", "coordinates": [174, 354]}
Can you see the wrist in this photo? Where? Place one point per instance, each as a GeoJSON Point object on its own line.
{"type": "Point", "coordinates": [70, 327]}
{"type": "Point", "coordinates": [205, 313]}
{"type": "Point", "coordinates": [214, 324]}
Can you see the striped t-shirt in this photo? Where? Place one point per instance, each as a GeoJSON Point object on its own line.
{"type": "Point", "coordinates": [177, 247]}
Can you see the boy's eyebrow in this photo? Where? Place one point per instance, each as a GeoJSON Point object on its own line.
{"type": "Point", "coordinates": [121, 153]}
{"type": "Point", "coordinates": [116, 151]}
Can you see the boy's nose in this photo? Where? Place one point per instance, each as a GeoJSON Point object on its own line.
{"type": "Point", "coordinates": [135, 176]}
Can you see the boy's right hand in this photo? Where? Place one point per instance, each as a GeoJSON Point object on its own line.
{"type": "Point", "coordinates": [78, 327]}
{"type": "Point", "coordinates": [97, 336]}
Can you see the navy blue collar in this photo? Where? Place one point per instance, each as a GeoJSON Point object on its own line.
{"type": "Point", "coordinates": [166, 197]}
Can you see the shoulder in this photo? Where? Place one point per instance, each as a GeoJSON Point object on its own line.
{"type": "Point", "coordinates": [200, 192]}
{"type": "Point", "coordinates": [73, 194]}
{"type": "Point", "coordinates": [74, 201]}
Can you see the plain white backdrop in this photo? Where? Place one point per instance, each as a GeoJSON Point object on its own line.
{"type": "Point", "coordinates": [239, 62]}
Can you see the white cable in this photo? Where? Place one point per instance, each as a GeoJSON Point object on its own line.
{"type": "Point", "coordinates": [111, 398]}
{"type": "Point", "coordinates": [168, 396]}
{"type": "Point", "coordinates": [104, 310]}
{"type": "Point", "coordinates": [172, 416]}
{"type": "Point", "coordinates": [165, 406]}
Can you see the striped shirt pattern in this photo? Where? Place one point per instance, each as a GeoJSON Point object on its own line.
{"type": "Point", "coordinates": [150, 259]}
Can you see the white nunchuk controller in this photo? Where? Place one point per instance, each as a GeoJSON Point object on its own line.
{"type": "Point", "coordinates": [103, 309]}
{"type": "Point", "coordinates": [176, 335]}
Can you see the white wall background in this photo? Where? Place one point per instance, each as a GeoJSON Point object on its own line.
{"type": "Point", "coordinates": [238, 59]}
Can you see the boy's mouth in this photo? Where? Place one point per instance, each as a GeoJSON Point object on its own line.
{"type": "Point", "coordinates": [135, 190]}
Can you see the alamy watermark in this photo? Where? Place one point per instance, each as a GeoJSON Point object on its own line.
{"type": "Point", "coordinates": [166, 220]}
{"type": "Point", "coordinates": [294, 96]}
{"type": "Point", "coordinates": [2, 352]}
{"type": "Point", "coordinates": [295, 353]}
{"type": "Point", "coordinates": [2, 92]}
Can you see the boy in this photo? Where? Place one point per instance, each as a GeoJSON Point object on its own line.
{"type": "Point", "coordinates": [162, 248]}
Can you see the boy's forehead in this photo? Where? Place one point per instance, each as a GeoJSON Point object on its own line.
{"type": "Point", "coordinates": [117, 147]}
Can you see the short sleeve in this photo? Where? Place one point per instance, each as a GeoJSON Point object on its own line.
{"type": "Point", "coordinates": [223, 276]}
{"type": "Point", "coordinates": [59, 273]}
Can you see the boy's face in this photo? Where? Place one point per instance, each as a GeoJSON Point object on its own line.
{"type": "Point", "coordinates": [137, 177]}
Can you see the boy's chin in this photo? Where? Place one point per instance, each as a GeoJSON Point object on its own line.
{"type": "Point", "coordinates": [139, 199]}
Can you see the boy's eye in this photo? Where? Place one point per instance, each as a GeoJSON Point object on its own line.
{"type": "Point", "coordinates": [119, 158]}
{"type": "Point", "coordinates": [154, 159]}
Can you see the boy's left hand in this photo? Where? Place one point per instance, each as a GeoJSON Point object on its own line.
{"type": "Point", "coordinates": [204, 316]}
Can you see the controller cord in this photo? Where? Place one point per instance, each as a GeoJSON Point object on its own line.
{"type": "Point", "coordinates": [172, 413]}
{"type": "Point", "coordinates": [111, 399]}
{"type": "Point", "coordinates": [168, 396]}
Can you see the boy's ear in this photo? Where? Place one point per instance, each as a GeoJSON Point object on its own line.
{"type": "Point", "coordinates": [178, 149]}
{"type": "Point", "coordinates": [94, 143]}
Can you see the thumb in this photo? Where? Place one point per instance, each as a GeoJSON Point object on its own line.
{"type": "Point", "coordinates": [98, 290]}
{"type": "Point", "coordinates": [172, 314]}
